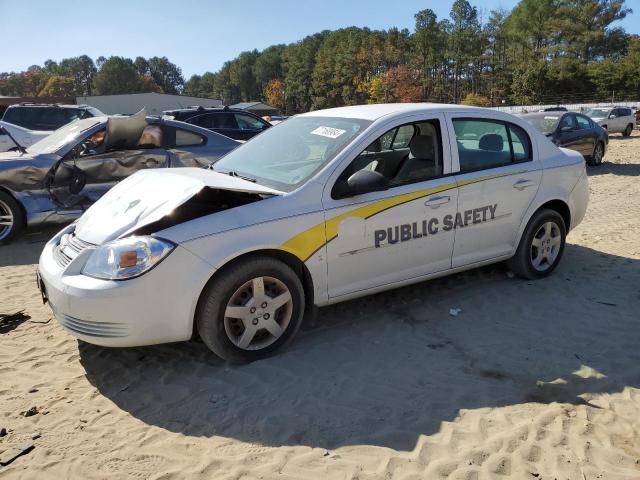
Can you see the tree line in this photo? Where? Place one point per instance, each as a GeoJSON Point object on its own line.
{"type": "Point", "coordinates": [79, 76]}
{"type": "Point", "coordinates": [542, 51]}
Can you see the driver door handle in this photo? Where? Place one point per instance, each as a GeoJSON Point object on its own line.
{"type": "Point", "coordinates": [522, 184]}
{"type": "Point", "coordinates": [435, 202]}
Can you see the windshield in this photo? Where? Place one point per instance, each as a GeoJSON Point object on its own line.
{"type": "Point", "coordinates": [544, 123]}
{"type": "Point", "coordinates": [62, 136]}
{"type": "Point", "coordinates": [289, 154]}
{"type": "Point", "coordinates": [597, 112]}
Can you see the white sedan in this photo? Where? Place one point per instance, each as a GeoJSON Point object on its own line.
{"type": "Point", "coordinates": [325, 207]}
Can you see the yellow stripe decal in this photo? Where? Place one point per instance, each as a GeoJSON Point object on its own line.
{"type": "Point", "coordinates": [306, 243]}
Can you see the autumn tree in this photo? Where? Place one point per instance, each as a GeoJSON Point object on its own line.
{"type": "Point", "coordinates": [274, 93]}
{"type": "Point", "coordinates": [58, 86]}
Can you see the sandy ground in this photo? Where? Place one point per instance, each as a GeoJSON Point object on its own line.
{"type": "Point", "coordinates": [531, 380]}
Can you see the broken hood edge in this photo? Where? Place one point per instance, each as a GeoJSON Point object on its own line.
{"type": "Point", "coordinates": [149, 195]}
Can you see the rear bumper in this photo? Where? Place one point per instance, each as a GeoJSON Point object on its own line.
{"type": "Point", "coordinates": [579, 200]}
{"type": "Point", "coordinates": [157, 307]}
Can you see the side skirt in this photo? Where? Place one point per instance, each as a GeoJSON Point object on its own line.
{"type": "Point", "coordinates": [411, 281]}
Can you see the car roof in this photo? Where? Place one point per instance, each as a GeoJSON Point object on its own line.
{"type": "Point", "coordinates": [376, 111]}
{"type": "Point", "coordinates": [49, 105]}
{"type": "Point", "coordinates": [556, 113]}
{"type": "Point", "coordinates": [209, 110]}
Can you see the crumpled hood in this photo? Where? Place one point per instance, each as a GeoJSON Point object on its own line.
{"type": "Point", "coordinates": [149, 195]}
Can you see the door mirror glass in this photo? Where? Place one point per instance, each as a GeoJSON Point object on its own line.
{"type": "Point", "coordinates": [613, 115]}
{"type": "Point", "coordinates": [365, 181]}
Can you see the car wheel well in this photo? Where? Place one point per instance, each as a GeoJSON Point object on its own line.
{"type": "Point", "coordinates": [22, 209]}
{"type": "Point", "coordinates": [562, 208]}
{"type": "Point", "coordinates": [285, 257]}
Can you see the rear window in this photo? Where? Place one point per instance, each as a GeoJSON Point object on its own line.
{"type": "Point", "coordinates": [214, 120]}
{"type": "Point", "coordinates": [42, 118]}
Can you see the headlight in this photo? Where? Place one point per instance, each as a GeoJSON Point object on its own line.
{"type": "Point", "coordinates": [126, 258]}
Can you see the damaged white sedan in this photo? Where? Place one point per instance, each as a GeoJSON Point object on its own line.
{"type": "Point", "coordinates": [325, 207]}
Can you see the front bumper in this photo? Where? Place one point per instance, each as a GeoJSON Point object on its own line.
{"type": "Point", "coordinates": [157, 307]}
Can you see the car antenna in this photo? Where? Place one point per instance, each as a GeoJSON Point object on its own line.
{"type": "Point", "coordinates": [20, 147]}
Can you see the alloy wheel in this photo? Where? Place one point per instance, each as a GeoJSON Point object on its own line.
{"type": "Point", "coordinates": [597, 155]}
{"type": "Point", "coordinates": [6, 220]}
{"type": "Point", "coordinates": [258, 313]}
{"type": "Point", "coordinates": [545, 246]}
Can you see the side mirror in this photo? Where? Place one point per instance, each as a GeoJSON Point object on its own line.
{"type": "Point", "coordinates": [365, 181]}
{"type": "Point", "coordinates": [566, 129]}
{"type": "Point", "coordinates": [613, 115]}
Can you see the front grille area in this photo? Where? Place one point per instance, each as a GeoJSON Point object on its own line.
{"type": "Point", "coordinates": [69, 248]}
{"type": "Point", "coordinates": [93, 329]}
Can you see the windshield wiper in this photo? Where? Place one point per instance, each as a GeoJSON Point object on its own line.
{"type": "Point", "coordinates": [233, 173]}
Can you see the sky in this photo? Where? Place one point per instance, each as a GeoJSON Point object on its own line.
{"type": "Point", "coordinates": [197, 35]}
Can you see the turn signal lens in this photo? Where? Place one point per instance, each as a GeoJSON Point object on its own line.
{"type": "Point", "coordinates": [128, 259]}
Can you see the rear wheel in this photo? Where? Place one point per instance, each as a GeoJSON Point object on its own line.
{"type": "Point", "coordinates": [597, 156]}
{"type": "Point", "coordinates": [11, 217]}
{"type": "Point", "coordinates": [628, 130]}
{"type": "Point", "coordinates": [541, 245]}
{"type": "Point", "coordinates": [251, 310]}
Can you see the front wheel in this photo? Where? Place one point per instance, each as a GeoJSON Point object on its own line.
{"type": "Point", "coordinates": [251, 309]}
{"type": "Point", "coordinates": [541, 245]}
{"type": "Point", "coordinates": [597, 156]}
{"type": "Point", "coordinates": [11, 217]}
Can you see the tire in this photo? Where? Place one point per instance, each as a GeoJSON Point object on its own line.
{"type": "Point", "coordinates": [627, 131]}
{"type": "Point", "coordinates": [11, 218]}
{"type": "Point", "coordinates": [523, 263]}
{"type": "Point", "coordinates": [596, 157]}
{"type": "Point", "coordinates": [249, 336]}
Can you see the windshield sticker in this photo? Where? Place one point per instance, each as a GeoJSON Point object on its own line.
{"type": "Point", "coordinates": [328, 132]}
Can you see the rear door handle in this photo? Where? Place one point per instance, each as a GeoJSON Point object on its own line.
{"type": "Point", "coordinates": [522, 184]}
{"type": "Point", "coordinates": [435, 202]}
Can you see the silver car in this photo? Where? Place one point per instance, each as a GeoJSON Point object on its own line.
{"type": "Point", "coordinates": [613, 119]}
{"type": "Point", "coordinates": [59, 177]}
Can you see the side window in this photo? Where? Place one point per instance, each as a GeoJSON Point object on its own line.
{"type": "Point", "coordinates": [484, 144]}
{"type": "Point", "coordinates": [151, 137]}
{"type": "Point", "coordinates": [520, 143]}
{"type": "Point", "coordinates": [568, 121]}
{"type": "Point", "coordinates": [73, 114]}
{"type": "Point", "coordinates": [583, 122]}
{"type": "Point", "coordinates": [247, 122]}
{"type": "Point", "coordinates": [224, 120]}
{"type": "Point", "coordinates": [386, 139]}
{"type": "Point", "coordinates": [185, 138]}
{"type": "Point", "coordinates": [403, 137]}
{"type": "Point", "coordinates": [92, 145]}
{"type": "Point", "coordinates": [420, 161]}
{"type": "Point", "coordinates": [204, 121]}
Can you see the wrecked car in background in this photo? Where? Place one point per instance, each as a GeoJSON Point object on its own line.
{"type": "Point", "coordinates": [59, 177]}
